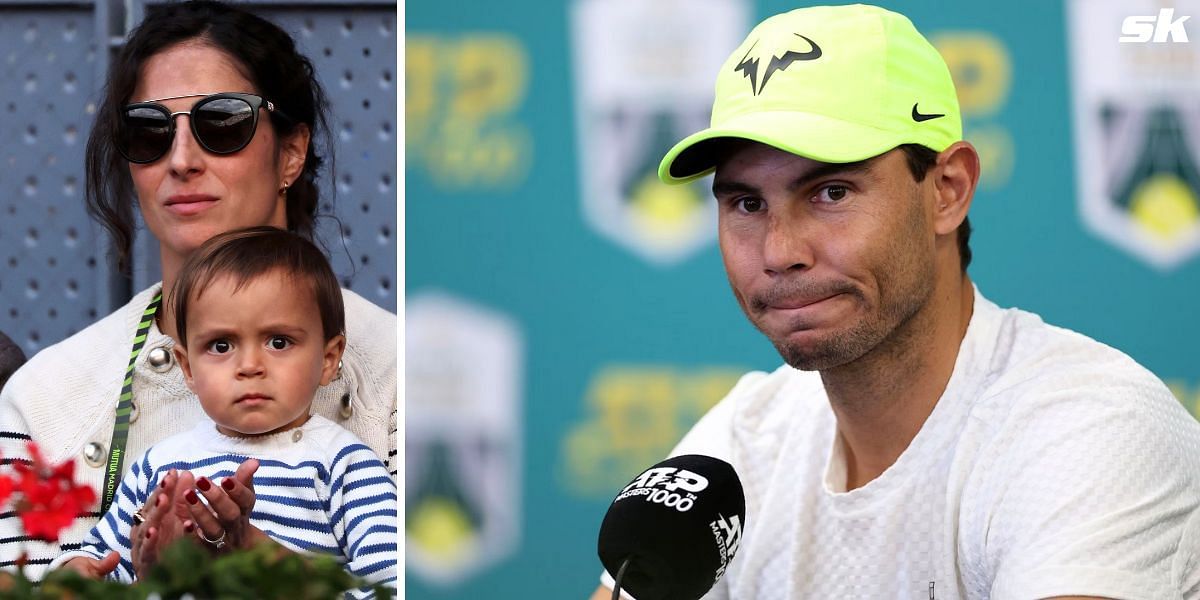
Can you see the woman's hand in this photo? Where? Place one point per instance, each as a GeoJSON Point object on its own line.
{"type": "Point", "coordinates": [92, 568]}
{"type": "Point", "coordinates": [164, 514]}
{"type": "Point", "coordinates": [225, 522]}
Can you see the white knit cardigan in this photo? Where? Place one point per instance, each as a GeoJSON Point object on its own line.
{"type": "Point", "coordinates": [65, 399]}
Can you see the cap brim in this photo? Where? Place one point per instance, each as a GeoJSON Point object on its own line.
{"type": "Point", "coordinates": [813, 136]}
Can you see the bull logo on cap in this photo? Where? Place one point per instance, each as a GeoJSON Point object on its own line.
{"type": "Point", "coordinates": [749, 65]}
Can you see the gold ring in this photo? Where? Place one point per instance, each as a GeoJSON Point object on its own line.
{"type": "Point", "coordinates": [138, 517]}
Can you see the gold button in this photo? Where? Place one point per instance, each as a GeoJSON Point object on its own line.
{"type": "Point", "coordinates": [159, 359]}
{"type": "Point", "coordinates": [296, 435]}
{"type": "Point", "coordinates": [93, 453]}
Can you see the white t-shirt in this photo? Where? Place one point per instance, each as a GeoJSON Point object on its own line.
{"type": "Point", "coordinates": [1051, 465]}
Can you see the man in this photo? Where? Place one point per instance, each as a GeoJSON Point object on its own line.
{"type": "Point", "coordinates": [921, 442]}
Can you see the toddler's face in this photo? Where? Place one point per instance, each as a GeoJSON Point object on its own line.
{"type": "Point", "coordinates": [256, 356]}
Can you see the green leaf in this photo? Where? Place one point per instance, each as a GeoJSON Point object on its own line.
{"type": "Point", "coordinates": [266, 572]}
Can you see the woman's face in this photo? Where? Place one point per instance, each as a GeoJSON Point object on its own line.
{"type": "Point", "coordinates": [190, 195]}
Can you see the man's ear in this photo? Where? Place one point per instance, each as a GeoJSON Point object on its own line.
{"type": "Point", "coordinates": [332, 359]}
{"type": "Point", "coordinates": [955, 179]}
{"type": "Point", "coordinates": [182, 358]}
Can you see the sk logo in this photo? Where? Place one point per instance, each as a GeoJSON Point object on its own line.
{"type": "Point", "coordinates": [1163, 28]}
{"type": "Point", "coordinates": [750, 66]}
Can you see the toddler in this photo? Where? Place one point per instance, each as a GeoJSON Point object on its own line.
{"type": "Point", "coordinates": [260, 323]}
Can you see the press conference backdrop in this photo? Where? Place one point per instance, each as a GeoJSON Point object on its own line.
{"type": "Point", "coordinates": [568, 317]}
{"type": "Point", "coordinates": [56, 275]}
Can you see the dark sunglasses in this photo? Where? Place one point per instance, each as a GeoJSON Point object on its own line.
{"type": "Point", "coordinates": [222, 124]}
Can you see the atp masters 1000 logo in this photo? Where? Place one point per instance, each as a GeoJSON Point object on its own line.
{"type": "Point", "coordinates": [1137, 126]}
{"type": "Point", "coordinates": [462, 446]}
{"type": "Point", "coordinates": [643, 81]}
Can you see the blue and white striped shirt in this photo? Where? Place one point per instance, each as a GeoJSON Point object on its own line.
{"type": "Point", "coordinates": [322, 491]}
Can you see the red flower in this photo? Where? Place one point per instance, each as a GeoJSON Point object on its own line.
{"type": "Point", "coordinates": [6, 488]}
{"type": "Point", "coordinates": [49, 497]}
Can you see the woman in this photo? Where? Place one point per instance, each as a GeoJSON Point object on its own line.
{"type": "Point", "coordinates": [11, 358]}
{"type": "Point", "coordinates": [208, 120]}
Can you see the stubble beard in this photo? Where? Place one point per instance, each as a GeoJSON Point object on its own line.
{"type": "Point", "coordinates": [841, 347]}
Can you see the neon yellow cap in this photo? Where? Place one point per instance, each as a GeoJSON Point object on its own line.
{"type": "Point", "coordinates": [832, 83]}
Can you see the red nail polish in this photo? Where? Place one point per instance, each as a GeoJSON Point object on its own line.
{"type": "Point", "coordinates": [148, 533]}
{"type": "Point", "coordinates": [190, 496]}
{"type": "Point", "coordinates": [189, 528]}
{"type": "Point", "coordinates": [203, 484]}
{"type": "Point", "coordinates": [163, 484]}
{"type": "Point", "coordinates": [227, 483]}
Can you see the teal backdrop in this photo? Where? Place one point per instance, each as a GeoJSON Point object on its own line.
{"type": "Point", "coordinates": [618, 353]}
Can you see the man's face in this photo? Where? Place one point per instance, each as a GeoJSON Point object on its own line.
{"type": "Point", "coordinates": [828, 261]}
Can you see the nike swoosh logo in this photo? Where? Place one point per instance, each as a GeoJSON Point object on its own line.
{"type": "Point", "coordinates": [918, 117]}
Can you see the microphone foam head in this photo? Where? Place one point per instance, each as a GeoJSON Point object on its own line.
{"type": "Point", "coordinates": [680, 522]}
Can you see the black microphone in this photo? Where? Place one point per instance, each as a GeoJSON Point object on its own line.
{"type": "Point", "coordinates": [670, 533]}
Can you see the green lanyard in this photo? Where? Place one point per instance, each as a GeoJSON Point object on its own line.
{"type": "Point", "coordinates": [116, 453]}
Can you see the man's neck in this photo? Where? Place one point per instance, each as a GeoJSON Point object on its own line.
{"type": "Point", "coordinates": [883, 399]}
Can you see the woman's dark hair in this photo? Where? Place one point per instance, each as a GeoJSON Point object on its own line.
{"type": "Point", "coordinates": [269, 60]}
{"type": "Point", "coordinates": [920, 160]}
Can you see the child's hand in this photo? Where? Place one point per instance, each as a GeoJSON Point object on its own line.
{"type": "Point", "coordinates": [92, 568]}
